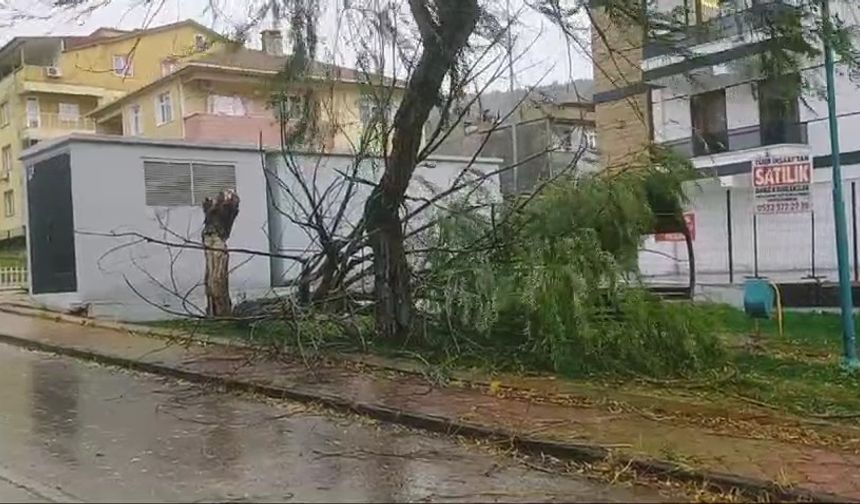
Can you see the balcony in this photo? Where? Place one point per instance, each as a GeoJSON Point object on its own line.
{"type": "Point", "coordinates": [740, 139]}
{"type": "Point", "coordinates": [246, 130]}
{"type": "Point", "coordinates": [48, 125]}
{"type": "Point", "coordinates": [36, 79]}
{"type": "Point", "coordinates": [675, 47]}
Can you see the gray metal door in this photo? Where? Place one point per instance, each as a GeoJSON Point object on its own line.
{"type": "Point", "coordinates": [51, 226]}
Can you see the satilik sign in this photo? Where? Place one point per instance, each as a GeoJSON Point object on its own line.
{"type": "Point", "coordinates": [782, 184]}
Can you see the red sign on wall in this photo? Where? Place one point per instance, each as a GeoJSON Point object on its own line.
{"type": "Point", "coordinates": [690, 221]}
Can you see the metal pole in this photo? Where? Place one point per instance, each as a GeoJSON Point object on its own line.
{"type": "Point", "coordinates": [515, 114]}
{"type": "Point", "coordinates": [812, 219]}
{"type": "Point", "coordinates": [729, 231]}
{"type": "Point", "coordinates": [845, 295]}
{"type": "Point", "coordinates": [854, 228]}
{"type": "Point", "coordinates": [755, 245]}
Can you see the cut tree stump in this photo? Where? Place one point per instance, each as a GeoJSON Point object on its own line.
{"type": "Point", "coordinates": [219, 214]}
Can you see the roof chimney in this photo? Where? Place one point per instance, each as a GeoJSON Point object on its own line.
{"type": "Point", "coordinates": [273, 42]}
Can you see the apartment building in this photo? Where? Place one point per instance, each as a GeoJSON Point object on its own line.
{"type": "Point", "coordinates": [707, 98]}
{"type": "Point", "coordinates": [238, 95]}
{"type": "Point", "coordinates": [551, 137]}
{"type": "Point", "coordinates": [49, 85]}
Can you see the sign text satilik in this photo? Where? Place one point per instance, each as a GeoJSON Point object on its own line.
{"type": "Point", "coordinates": [782, 184]}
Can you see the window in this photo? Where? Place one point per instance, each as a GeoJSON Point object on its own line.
{"type": "Point", "coordinates": [9, 203]}
{"type": "Point", "coordinates": [184, 183]}
{"type": "Point", "coordinates": [706, 10]}
{"type": "Point", "coordinates": [123, 65]}
{"type": "Point", "coordinates": [135, 127]}
{"type": "Point", "coordinates": [33, 113]}
{"type": "Point", "coordinates": [376, 117]}
{"type": "Point", "coordinates": [163, 108]}
{"type": "Point", "coordinates": [69, 112]}
{"type": "Point", "coordinates": [690, 12]}
{"type": "Point", "coordinates": [590, 139]}
{"type": "Point", "coordinates": [562, 139]}
{"type": "Point", "coordinates": [572, 139]}
{"type": "Point", "coordinates": [201, 43]}
{"type": "Point", "coordinates": [4, 114]}
{"type": "Point", "coordinates": [5, 162]}
{"type": "Point", "coordinates": [289, 107]}
{"type": "Point", "coordinates": [779, 115]}
{"type": "Point", "coordinates": [226, 105]}
{"type": "Point", "coordinates": [168, 66]}
{"type": "Point", "coordinates": [708, 117]}
{"type": "Point", "coordinates": [371, 111]}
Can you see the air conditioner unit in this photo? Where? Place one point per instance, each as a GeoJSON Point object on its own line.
{"type": "Point", "coordinates": [53, 71]}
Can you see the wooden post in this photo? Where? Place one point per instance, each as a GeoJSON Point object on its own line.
{"type": "Point", "coordinates": [220, 212]}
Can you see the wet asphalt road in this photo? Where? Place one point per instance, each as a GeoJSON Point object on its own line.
{"type": "Point", "coordinates": [76, 431]}
{"type": "Point", "coordinates": [12, 492]}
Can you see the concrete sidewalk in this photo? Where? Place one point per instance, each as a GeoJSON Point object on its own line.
{"type": "Point", "coordinates": [781, 469]}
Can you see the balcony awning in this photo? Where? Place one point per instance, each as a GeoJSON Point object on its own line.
{"type": "Point", "coordinates": [69, 89]}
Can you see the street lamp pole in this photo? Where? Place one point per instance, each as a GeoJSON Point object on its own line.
{"type": "Point", "coordinates": [849, 352]}
{"type": "Point", "coordinates": [511, 88]}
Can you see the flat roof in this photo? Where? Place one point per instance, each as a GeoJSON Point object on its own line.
{"type": "Point", "coordinates": [55, 143]}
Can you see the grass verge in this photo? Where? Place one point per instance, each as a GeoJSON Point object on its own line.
{"type": "Point", "coordinates": [798, 372]}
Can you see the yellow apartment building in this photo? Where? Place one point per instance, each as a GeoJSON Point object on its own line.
{"type": "Point", "coordinates": [227, 95]}
{"type": "Point", "coordinates": [49, 85]}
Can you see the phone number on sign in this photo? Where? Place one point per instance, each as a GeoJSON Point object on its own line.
{"type": "Point", "coordinates": [783, 207]}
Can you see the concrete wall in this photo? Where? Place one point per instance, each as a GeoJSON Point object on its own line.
{"type": "Point", "coordinates": [435, 175]}
{"type": "Point", "coordinates": [109, 197]}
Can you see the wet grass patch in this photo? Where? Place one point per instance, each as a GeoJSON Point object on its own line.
{"type": "Point", "coordinates": [798, 372]}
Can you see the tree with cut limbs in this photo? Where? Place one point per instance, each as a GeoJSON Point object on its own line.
{"type": "Point", "coordinates": [219, 214]}
{"type": "Point", "coordinates": [445, 27]}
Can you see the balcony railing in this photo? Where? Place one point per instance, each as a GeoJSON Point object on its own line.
{"type": "Point", "coordinates": [49, 121]}
{"type": "Point", "coordinates": [700, 144]}
{"type": "Point", "coordinates": [668, 36]}
{"type": "Point", "coordinates": [250, 129]}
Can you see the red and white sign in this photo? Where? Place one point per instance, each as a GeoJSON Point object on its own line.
{"type": "Point", "coordinates": [782, 184]}
{"type": "Point", "coordinates": [689, 220]}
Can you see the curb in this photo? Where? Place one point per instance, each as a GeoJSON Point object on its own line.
{"type": "Point", "coordinates": [723, 482]}
{"type": "Point", "coordinates": [206, 339]}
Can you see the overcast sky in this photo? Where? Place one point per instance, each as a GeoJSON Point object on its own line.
{"type": "Point", "coordinates": [550, 59]}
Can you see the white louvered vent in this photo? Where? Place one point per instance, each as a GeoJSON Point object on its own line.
{"type": "Point", "coordinates": [167, 184]}
{"type": "Point", "coordinates": [211, 179]}
{"type": "Point", "coordinates": [185, 184]}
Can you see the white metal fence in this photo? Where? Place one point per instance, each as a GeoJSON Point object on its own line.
{"type": "Point", "coordinates": [13, 277]}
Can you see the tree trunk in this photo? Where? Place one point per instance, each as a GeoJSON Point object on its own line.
{"type": "Point", "coordinates": [445, 29]}
{"type": "Point", "coordinates": [391, 274]}
{"type": "Point", "coordinates": [691, 258]}
{"type": "Point", "coordinates": [220, 213]}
